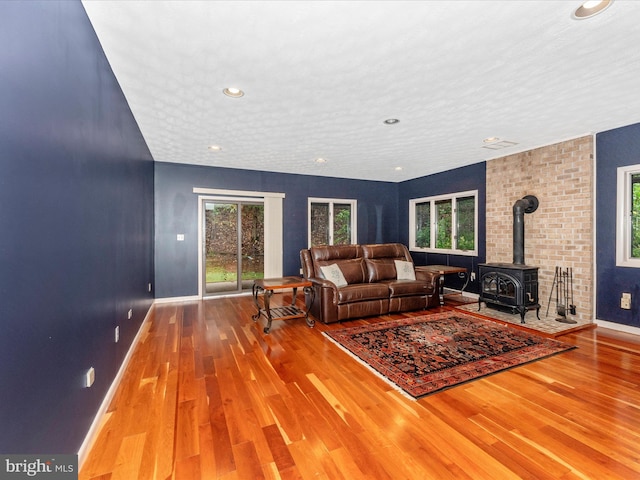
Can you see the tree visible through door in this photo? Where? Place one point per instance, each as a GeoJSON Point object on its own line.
{"type": "Point", "coordinates": [234, 245]}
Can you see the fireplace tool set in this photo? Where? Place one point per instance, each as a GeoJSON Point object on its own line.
{"type": "Point", "coordinates": [563, 284]}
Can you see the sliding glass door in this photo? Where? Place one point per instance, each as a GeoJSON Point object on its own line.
{"type": "Point", "coordinates": [233, 245]}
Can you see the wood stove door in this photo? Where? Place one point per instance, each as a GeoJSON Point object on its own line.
{"type": "Point", "coordinates": [500, 288]}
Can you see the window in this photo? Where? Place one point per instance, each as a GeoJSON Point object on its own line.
{"type": "Point", "coordinates": [444, 224]}
{"type": "Point", "coordinates": [628, 217]}
{"type": "Point", "coordinates": [332, 222]}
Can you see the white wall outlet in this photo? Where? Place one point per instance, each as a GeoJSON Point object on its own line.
{"type": "Point", "coordinates": [117, 334]}
{"type": "Point", "coordinates": [180, 237]}
{"type": "Point", "coordinates": [473, 276]}
{"type": "Point", "coordinates": [130, 314]}
{"type": "Point", "coordinates": [625, 301]}
{"type": "Point", "coordinates": [90, 377]}
{"type": "Point", "coordinates": [150, 287]}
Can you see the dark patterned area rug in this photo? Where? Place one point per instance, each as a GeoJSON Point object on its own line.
{"type": "Point", "coordinates": [426, 354]}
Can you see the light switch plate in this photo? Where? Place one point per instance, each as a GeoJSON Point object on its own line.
{"type": "Point", "coordinates": [90, 377]}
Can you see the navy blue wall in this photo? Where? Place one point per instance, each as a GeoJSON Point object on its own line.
{"type": "Point", "coordinates": [472, 177]}
{"type": "Point", "coordinates": [177, 212]}
{"type": "Point", "coordinates": [76, 223]}
{"type": "Point", "coordinates": [615, 148]}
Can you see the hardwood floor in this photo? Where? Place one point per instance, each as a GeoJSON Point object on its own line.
{"type": "Point", "coordinates": [208, 395]}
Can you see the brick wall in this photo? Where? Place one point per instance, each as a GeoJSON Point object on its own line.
{"type": "Point", "coordinates": [559, 233]}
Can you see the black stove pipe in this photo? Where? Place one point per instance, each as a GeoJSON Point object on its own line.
{"type": "Point", "coordinates": [527, 204]}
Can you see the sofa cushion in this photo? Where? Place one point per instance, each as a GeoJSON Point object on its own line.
{"type": "Point", "coordinates": [333, 273]}
{"type": "Point", "coordinates": [405, 270]}
{"type": "Point", "coordinates": [353, 270]}
{"type": "Point", "coordinates": [332, 253]}
{"type": "Point", "coordinates": [362, 292]}
{"type": "Point", "coordinates": [386, 250]}
{"type": "Point", "coordinates": [380, 269]}
{"type": "Point", "coordinates": [401, 288]}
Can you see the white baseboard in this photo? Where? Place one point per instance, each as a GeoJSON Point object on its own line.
{"type": "Point", "coordinates": [190, 298]}
{"type": "Point", "coordinates": [90, 438]}
{"type": "Point", "coordinates": [618, 326]}
{"type": "Point", "coordinates": [228, 295]}
{"type": "Point", "coordinates": [195, 298]}
{"type": "Point", "coordinates": [464, 294]}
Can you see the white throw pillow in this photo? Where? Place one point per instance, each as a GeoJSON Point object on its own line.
{"type": "Point", "coordinates": [404, 270]}
{"type": "Point", "coordinates": [333, 273]}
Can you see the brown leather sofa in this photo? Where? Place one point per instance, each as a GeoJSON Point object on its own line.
{"type": "Point", "coordinates": [372, 284]}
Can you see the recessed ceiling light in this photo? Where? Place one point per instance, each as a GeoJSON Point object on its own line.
{"type": "Point", "coordinates": [397, 169]}
{"type": "Point", "coordinates": [490, 140]}
{"type": "Point", "coordinates": [321, 160]}
{"type": "Point", "coordinates": [215, 148]}
{"type": "Point", "coordinates": [391, 121]}
{"type": "Point", "coordinates": [590, 8]}
{"type": "Point", "coordinates": [233, 92]}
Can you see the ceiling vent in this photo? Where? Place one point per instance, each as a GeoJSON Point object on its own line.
{"type": "Point", "coordinates": [499, 145]}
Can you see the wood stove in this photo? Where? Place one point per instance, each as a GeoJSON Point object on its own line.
{"type": "Point", "coordinates": [512, 286]}
{"type": "Point", "coordinates": [509, 286]}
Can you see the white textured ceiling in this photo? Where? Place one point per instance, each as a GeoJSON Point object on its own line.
{"type": "Point", "coordinates": [321, 77]}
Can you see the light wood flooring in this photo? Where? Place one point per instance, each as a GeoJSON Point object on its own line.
{"type": "Point", "coordinates": [208, 395]}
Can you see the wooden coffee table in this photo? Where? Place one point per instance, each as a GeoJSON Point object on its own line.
{"type": "Point", "coordinates": [266, 286]}
{"type": "Point", "coordinates": [446, 270]}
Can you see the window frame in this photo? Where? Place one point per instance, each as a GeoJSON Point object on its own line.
{"type": "Point", "coordinates": [624, 200]}
{"type": "Point", "coordinates": [453, 197]}
{"type": "Point", "coordinates": [331, 202]}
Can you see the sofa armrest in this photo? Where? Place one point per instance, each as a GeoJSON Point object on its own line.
{"type": "Point", "coordinates": [322, 284]}
{"type": "Point", "coordinates": [325, 300]}
{"type": "Point", "coordinates": [430, 278]}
